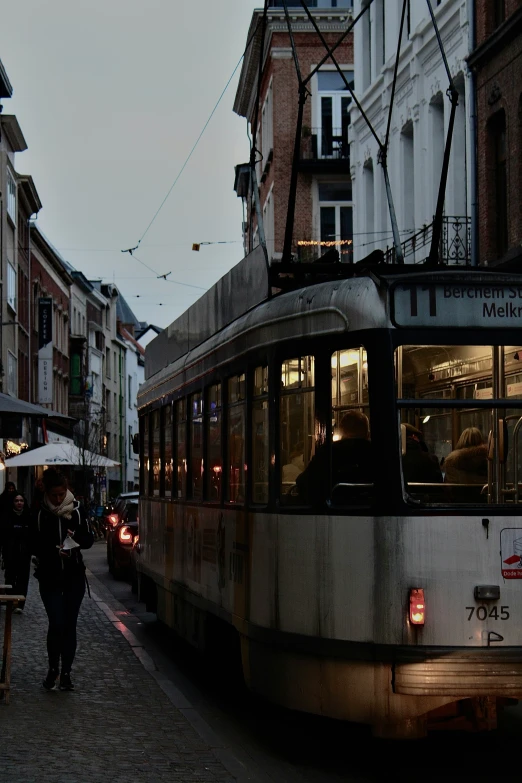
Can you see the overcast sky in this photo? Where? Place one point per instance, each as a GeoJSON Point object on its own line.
{"type": "Point", "coordinates": [111, 95]}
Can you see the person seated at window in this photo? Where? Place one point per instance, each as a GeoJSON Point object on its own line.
{"type": "Point", "coordinates": [351, 461]}
{"type": "Point", "coordinates": [418, 465]}
{"type": "Point", "coordinates": [295, 467]}
{"type": "Point", "coordinates": [468, 463]}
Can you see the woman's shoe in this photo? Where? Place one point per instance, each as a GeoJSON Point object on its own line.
{"type": "Point", "coordinates": [50, 681]}
{"type": "Point", "coordinates": [65, 682]}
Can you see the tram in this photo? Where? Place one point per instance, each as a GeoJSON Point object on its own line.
{"type": "Point", "coordinates": [391, 598]}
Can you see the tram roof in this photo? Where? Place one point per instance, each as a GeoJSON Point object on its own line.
{"type": "Point", "coordinates": [247, 285]}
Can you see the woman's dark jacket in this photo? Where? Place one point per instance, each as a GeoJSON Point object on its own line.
{"type": "Point", "coordinates": [15, 536]}
{"type": "Point", "coordinates": [48, 532]}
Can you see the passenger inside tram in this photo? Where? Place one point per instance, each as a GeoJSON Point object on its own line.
{"type": "Point", "coordinates": [468, 401]}
{"type": "Point", "coordinates": [295, 467]}
{"type": "Point", "coordinates": [351, 461]}
{"type": "Point", "coordinates": [418, 464]}
{"type": "Point", "coordinates": [468, 463]}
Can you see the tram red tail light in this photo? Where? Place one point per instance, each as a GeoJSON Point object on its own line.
{"type": "Point", "coordinates": [417, 606]}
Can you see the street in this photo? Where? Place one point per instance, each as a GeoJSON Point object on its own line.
{"type": "Point", "coordinates": [263, 743]}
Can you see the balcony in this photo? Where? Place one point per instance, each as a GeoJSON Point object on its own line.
{"type": "Point", "coordinates": [325, 150]}
{"type": "Point", "coordinates": [454, 249]}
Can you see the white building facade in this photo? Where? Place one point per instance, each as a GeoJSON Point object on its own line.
{"type": "Point", "coordinates": [419, 124]}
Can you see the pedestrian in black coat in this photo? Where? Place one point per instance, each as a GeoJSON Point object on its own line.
{"type": "Point", "coordinates": [59, 531]}
{"type": "Point", "coordinates": [16, 549]}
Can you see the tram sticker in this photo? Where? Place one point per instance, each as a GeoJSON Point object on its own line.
{"type": "Point", "coordinates": [511, 552]}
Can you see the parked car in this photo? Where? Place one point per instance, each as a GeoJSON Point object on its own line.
{"type": "Point", "coordinates": [120, 537]}
{"type": "Point", "coordinates": [113, 511]}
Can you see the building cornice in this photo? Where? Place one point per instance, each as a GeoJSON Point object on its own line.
{"type": "Point", "coordinates": [30, 194]}
{"type": "Point", "coordinates": [13, 132]}
{"type": "Point", "coordinates": [6, 89]}
{"type": "Point", "coordinates": [329, 20]}
{"type": "Point", "coordinates": [502, 36]}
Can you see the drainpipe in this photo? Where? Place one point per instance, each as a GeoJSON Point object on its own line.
{"type": "Point", "coordinates": [473, 139]}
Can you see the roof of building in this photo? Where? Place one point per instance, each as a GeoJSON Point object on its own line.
{"type": "Point", "coordinates": [144, 327]}
{"type": "Point", "coordinates": [124, 313]}
{"type": "Point", "coordinates": [128, 336]}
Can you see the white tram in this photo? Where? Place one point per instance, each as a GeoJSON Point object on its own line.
{"type": "Point", "coordinates": [393, 601]}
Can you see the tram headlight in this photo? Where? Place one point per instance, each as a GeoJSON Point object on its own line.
{"type": "Point", "coordinates": [417, 606]}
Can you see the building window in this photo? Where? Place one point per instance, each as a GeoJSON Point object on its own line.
{"type": "Point", "coordinates": [366, 44]}
{"type": "Point", "coordinates": [408, 179]}
{"type": "Point", "coordinates": [499, 12]}
{"type": "Point", "coordinates": [12, 374]}
{"type": "Point", "coordinates": [108, 362]}
{"type": "Point", "coordinates": [369, 199]}
{"type": "Point", "coordinates": [267, 127]}
{"type": "Point", "coordinates": [129, 391]}
{"type": "Point", "coordinates": [499, 160]}
{"type": "Point", "coordinates": [115, 365]}
{"type": "Point", "coordinates": [269, 223]}
{"type": "Point", "coordinates": [76, 374]}
{"type": "Point", "coordinates": [11, 196]}
{"type": "Point", "coordinates": [334, 113]}
{"type": "Point", "coordinates": [336, 219]}
{"type": "Point", "coordinates": [11, 286]}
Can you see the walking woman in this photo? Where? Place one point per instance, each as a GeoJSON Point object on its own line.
{"type": "Point", "coordinates": [16, 550]}
{"type": "Point", "coordinates": [59, 531]}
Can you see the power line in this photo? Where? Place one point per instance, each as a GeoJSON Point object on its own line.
{"type": "Point", "coordinates": [195, 144]}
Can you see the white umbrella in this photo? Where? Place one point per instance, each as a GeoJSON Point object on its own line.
{"type": "Point", "coordinates": [60, 454]}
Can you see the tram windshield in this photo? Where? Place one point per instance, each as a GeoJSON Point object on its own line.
{"type": "Point", "coordinates": [460, 409]}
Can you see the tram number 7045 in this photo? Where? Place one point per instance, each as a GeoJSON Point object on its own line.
{"type": "Point", "coordinates": [483, 612]}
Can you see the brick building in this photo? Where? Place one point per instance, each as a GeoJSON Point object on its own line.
{"type": "Point", "coordinates": [50, 279]}
{"type": "Point", "coordinates": [323, 212]}
{"type": "Point", "coordinates": [497, 65]}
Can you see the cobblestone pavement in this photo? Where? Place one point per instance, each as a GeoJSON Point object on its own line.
{"type": "Point", "coordinates": [118, 726]}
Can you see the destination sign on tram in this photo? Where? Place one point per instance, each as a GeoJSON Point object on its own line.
{"type": "Point", "coordinates": [457, 304]}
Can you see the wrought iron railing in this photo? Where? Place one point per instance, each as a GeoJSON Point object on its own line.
{"type": "Point", "coordinates": [454, 248]}
{"type": "Point", "coordinates": [324, 144]}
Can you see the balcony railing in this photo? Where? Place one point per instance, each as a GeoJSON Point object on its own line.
{"type": "Point", "coordinates": [324, 144]}
{"type": "Point", "coordinates": [454, 248]}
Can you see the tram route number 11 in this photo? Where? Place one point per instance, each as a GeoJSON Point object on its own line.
{"type": "Point", "coordinates": [483, 612]}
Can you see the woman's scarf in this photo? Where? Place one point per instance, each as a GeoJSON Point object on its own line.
{"type": "Point", "coordinates": [65, 508]}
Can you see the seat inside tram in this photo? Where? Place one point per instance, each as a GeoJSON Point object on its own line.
{"type": "Point", "coordinates": [474, 443]}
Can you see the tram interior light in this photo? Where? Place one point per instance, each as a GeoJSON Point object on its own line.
{"type": "Point", "coordinates": [426, 419]}
{"type": "Point", "coordinates": [417, 606]}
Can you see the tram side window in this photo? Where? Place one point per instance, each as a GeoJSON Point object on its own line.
{"type": "Point", "coordinates": [351, 460]}
{"type": "Point", "coordinates": [214, 462]}
{"type": "Point", "coordinates": [181, 448]}
{"type": "Point", "coordinates": [196, 445]}
{"type": "Point", "coordinates": [156, 460]}
{"type": "Point", "coordinates": [236, 439]}
{"type": "Point", "coordinates": [146, 455]}
{"type": "Point", "coordinates": [296, 423]}
{"type": "Point", "coordinates": [167, 449]}
{"type": "Point", "coordinates": [260, 444]}
{"type": "Point", "coordinates": [457, 447]}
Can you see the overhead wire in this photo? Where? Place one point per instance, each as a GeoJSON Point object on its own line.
{"type": "Point", "coordinates": [129, 250]}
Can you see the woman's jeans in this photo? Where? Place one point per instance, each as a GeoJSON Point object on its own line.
{"type": "Point", "coordinates": [62, 606]}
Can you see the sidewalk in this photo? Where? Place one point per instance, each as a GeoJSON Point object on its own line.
{"type": "Point", "coordinates": [118, 726]}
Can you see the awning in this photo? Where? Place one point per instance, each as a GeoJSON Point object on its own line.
{"type": "Point", "coordinates": [60, 454]}
{"type": "Point", "coordinates": [13, 405]}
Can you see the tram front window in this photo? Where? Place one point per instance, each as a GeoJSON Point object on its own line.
{"type": "Point", "coordinates": [460, 413]}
